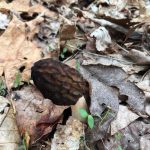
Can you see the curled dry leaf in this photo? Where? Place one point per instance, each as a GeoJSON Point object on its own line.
{"type": "Point", "coordinates": [17, 51]}
{"type": "Point", "coordinates": [9, 134]}
{"type": "Point", "coordinates": [103, 39]}
{"type": "Point", "coordinates": [127, 91]}
{"type": "Point", "coordinates": [35, 115]}
{"type": "Point", "coordinates": [110, 60]}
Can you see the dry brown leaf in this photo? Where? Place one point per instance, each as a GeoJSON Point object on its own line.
{"type": "Point", "coordinates": [40, 9]}
{"type": "Point", "coordinates": [68, 32]}
{"type": "Point", "coordinates": [21, 5]}
{"type": "Point", "coordinates": [35, 115]}
{"type": "Point", "coordinates": [9, 134]}
{"type": "Point", "coordinates": [16, 50]}
{"type": "Point", "coordinates": [68, 137]}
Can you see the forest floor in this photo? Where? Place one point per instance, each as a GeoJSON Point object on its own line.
{"type": "Point", "coordinates": [90, 87]}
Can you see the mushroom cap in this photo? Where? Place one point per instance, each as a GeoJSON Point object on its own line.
{"type": "Point", "coordinates": [59, 82]}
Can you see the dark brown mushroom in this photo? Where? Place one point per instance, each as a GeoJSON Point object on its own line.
{"type": "Point", "coordinates": [59, 82]}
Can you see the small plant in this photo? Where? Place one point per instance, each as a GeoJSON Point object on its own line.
{"type": "Point", "coordinates": [85, 115]}
{"type": "Point", "coordinates": [2, 88]}
{"type": "Point", "coordinates": [17, 81]}
{"type": "Point", "coordinates": [105, 115]}
{"type": "Point", "coordinates": [78, 65]}
{"type": "Point", "coordinates": [50, 48]}
{"type": "Point", "coordinates": [118, 136]}
{"type": "Point", "coordinates": [22, 145]}
{"type": "Point", "coordinates": [62, 55]}
{"type": "Point", "coordinates": [119, 148]}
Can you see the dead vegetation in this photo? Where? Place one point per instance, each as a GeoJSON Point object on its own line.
{"type": "Point", "coordinates": [95, 54]}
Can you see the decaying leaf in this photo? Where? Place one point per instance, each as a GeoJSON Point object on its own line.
{"type": "Point", "coordinates": [116, 77]}
{"type": "Point", "coordinates": [112, 60]}
{"type": "Point", "coordinates": [103, 39]}
{"type": "Point", "coordinates": [48, 37]}
{"type": "Point", "coordinates": [35, 115]}
{"type": "Point", "coordinates": [134, 137]}
{"type": "Point", "coordinates": [103, 98]}
{"type": "Point", "coordinates": [145, 142]}
{"type": "Point", "coordinates": [9, 134]}
{"type": "Point", "coordinates": [124, 118]}
{"type": "Point", "coordinates": [17, 51]}
{"type": "Point", "coordinates": [21, 5]}
{"type": "Point", "coordinates": [67, 32]}
{"type": "Point", "coordinates": [68, 137]}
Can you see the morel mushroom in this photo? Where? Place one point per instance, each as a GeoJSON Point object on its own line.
{"type": "Point", "coordinates": [58, 82]}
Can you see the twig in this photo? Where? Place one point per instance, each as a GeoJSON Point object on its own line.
{"type": "Point", "coordinates": [123, 48]}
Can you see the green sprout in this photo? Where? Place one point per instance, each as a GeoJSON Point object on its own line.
{"type": "Point", "coordinates": [22, 145]}
{"type": "Point", "coordinates": [78, 65]}
{"type": "Point", "coordinates": [85, 115]}
{"type": "Point", "coordinates": [17, 81]}
{"type": "Point", "coordinates": [50, 48]}
{"type": "Point", "coordinates": [62, 55]}
{"type": "Point", "coordinates": [119, 148]}
{"type": "Point", "coordinates": [118, 136]}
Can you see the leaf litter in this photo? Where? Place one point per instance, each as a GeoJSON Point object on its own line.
{"type": "Point", "coordinates": [107, 42]}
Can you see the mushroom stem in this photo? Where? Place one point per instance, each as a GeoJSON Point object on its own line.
{"type": "Point", "coordinates": [81, 103]}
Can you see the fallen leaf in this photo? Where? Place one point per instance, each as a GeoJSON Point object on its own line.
{"type": "Point", "coordinates": [111, 60]}
{"type": "Point", "coordinates": [67, 32]}
{"type": "Point", "coordinates": [102, 98]}
{"type": "Point", "coordinates": [116, 77]}
{"type": "Point", "coordinates": [145, 142]}
{"type": "Point", "coordinates": [48, 38]}
{"type": "Point", "coordinates": [35, 115]}
{"type": "Point", "coordinates": [103, 39]}
{"type": "Point", "coordinates": [123, 119]}
{"type": "Point", "coordinates": [21, 5]}
{"type": "Point", "coordinates": [135, 136]}
{"type": "Point", "coordinates": [18, 51]}
{"type": "Point", "coordinates": [68, 136]}
{"type": "Point", "coordinates": [9, 134]}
